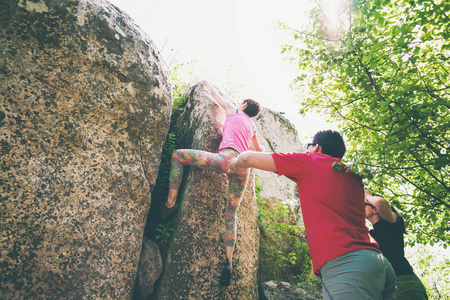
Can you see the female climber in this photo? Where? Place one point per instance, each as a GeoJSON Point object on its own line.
{"type": "Point", "coordinates": [238, 132]}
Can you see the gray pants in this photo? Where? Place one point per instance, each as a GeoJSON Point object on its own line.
{"type": "Point", "coordinates": [362, 274]}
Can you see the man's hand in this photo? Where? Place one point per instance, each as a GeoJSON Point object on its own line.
{"type": "Point", "coordinates": [252, 159]}
{"type": "Point", "coordinates": [231, 165]}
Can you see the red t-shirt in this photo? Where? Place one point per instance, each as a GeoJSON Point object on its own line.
{"type": "Point", "coordinates": [332, 205]}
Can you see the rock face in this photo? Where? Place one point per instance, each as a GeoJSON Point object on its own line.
{"type": "Point", "coordinates": [276, 290]}
{"type": "Point", "coordinates": [84, 109]}
{"type": "Point", "coordinates": [150, 268]}
{"type": "Point", "coordinates": [277, 134]}
{"type": "Point", "coordinates": [196, 254]}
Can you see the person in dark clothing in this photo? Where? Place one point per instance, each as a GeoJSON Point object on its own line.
{"type": "Point", "coordinates": [388, 230]}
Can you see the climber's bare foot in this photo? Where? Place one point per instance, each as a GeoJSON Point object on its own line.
{"type": "Point", "coordinates": [167, 211]}
{"type": "Point", "coordinates": [171, 198]}
{"type": "Point", "coordinates": [169, 205]}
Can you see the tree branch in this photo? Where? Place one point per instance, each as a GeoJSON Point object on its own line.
{"type": "Point", "coordinates": [431, 174]}
{"type": "Point", "coordinates": [436, 199]}
{"type": "Point", "coordinates": [348, 119]}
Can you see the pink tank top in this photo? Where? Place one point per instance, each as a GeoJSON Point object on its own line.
{"type": "Point", "coordinates": [237, 132]}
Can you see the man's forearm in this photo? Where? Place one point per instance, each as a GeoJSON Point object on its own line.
{"type": "Point", "coordinates": [258, 160]}
{"type": "Point", "coordinates": [243, 160]}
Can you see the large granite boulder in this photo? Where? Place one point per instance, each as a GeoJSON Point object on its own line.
{"type": "Point", "coordinates": [150, 268]}
{"type": "Point", "coordinates": [196, 255]}
{"type": "Point", "coordinates": [277, 134]}
{"type": "Point", "coordinates": [85, 104]}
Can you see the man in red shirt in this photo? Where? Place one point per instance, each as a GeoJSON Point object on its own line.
{"type": "Point", "coordinates": [332, 201]}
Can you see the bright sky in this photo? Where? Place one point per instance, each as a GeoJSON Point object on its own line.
{"type": "Point", "coordinates": [235, 43]}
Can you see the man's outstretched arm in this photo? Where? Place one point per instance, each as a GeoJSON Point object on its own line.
{"type": "Point", "coordinates": [252, 159]}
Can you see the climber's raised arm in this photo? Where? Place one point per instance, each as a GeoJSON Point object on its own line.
{"type": "Point", "coordinates": [256, 143]}
{"type": "Point", "coordinates": [229, 107]}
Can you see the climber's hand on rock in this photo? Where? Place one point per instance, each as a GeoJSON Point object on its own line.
{"type": "Point", "coordinates": [209, 88]}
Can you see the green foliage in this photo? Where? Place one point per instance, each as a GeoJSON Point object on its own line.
{"type": "Point", "coordinates": [284, 254]}
{"type": "Point", "coordinates": [351, 166]}
{"type": "Point", "coordinates": [180, 83]}
{"type": "Point", "coordinates": [182, 77]}
{"type": "Point", "coordinates": [432, 265]}
{"type": "Point", "coordinates": [160, 233]}
{"type": "Point", "coordinates": [383, 75]}
{"type": "Point", "coordinates": [168, 148]}
{"type": "Point", "coordinates": [163, 235]}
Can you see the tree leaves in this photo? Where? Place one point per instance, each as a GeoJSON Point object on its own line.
{"type": "Point", "coordinates": [385, 79]}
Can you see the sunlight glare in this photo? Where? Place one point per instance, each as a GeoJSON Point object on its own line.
{"type": "Point", "coordinates": [331, 10]}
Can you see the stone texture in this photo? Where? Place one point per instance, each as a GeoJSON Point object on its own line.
{"type": "Point", "coordinates": [278, 290]}
{"type": "Point", "coordinates": [277, 134]}
{"type": "Point", "coordinates": [84, 109]}
{"type": "Point", "coordinates": [196, 254]}
{"type": "Point", "coordinates": [150, 268]}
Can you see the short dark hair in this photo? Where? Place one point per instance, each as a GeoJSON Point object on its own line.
{"type": "Point", "coordinates": [331, 142]}
{"type": "Point", "coordinates": [253, 107]}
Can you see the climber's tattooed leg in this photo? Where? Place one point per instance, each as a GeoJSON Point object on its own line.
{"type": "Point", "coordinates": [236, 191]}
{"type": "Point", "coordinates": [200, 159]}
{"type": "Point", "coordinates": [215, 162]}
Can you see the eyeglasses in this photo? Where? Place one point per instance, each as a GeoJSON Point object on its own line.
{"type": "Point", "coordinates": [310, 144]}
{"type": "Point", "coordinates": [367, 203]}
